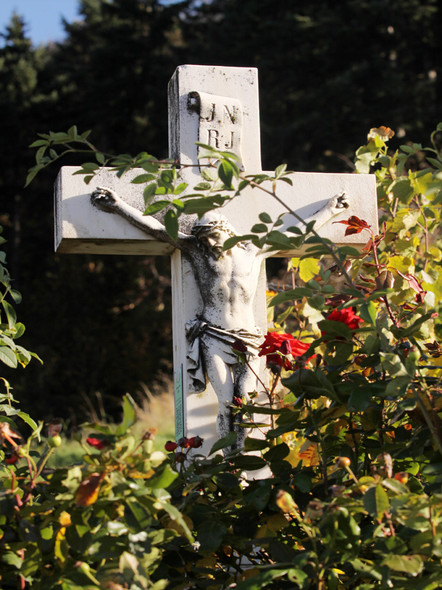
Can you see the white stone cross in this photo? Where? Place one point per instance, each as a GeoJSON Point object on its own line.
{"type": "Point", "coordinates": [217, 297]}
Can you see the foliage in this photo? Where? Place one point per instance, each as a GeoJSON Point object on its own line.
{"type": "Point", "coordinates": [92, 525]}
{"type": "Point", "coordinates": [11, 353]}
{"type": "Point", "coordinates": [348, 488]}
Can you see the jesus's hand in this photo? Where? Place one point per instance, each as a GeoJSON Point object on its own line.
{"type": "Point", "coordinates": [105, 199]}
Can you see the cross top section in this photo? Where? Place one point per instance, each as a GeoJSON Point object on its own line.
{"type": "Point", "coordinates": [218, 106]}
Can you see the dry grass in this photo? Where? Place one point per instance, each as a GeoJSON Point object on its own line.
{"type": "Point", "coordinates": [156, 411]}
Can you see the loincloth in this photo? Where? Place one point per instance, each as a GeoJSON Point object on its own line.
{"type": "Point", "coordinates": [199, 333]}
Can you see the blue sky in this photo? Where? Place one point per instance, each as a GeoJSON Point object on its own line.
{"type": "Point", "coordinates": [43, 17]}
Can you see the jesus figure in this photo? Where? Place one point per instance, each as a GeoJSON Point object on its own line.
{"type": "Point", "coordinates": [228, 282]}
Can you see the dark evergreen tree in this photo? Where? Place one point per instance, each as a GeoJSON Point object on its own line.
{"type": "Point", "coordinates": [105, 325]}
{"type": "Point", "coordinates": [329, 71]}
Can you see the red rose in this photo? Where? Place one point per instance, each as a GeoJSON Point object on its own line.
{"type": "Point", "coordinates": [346, 316]}
{"type": "Point", "coordinates": [170, 446]}
{"type": "Point", "coordinates": [284, 344]}
{"type": "Point", "coordinates": [97, 443]}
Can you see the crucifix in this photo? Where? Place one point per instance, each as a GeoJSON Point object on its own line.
{"type": "Point", "coordinates": [218, 296]}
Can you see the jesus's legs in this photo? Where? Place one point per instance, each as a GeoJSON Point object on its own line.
{"type": "Point", "coordinates": [220, 376]}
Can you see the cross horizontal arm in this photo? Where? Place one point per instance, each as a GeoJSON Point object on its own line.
{"type": "Point", "coordinates": [81, 228]}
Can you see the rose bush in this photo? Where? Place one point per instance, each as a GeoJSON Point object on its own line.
{"type": "Point", "coordinates": [350, 486]}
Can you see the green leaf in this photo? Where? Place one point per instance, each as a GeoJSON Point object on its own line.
{"type": "Point", "coordinates": [180, 188]}
{"type": "Point", "coordinates": [225, 172]}
{"type": "Point", "coordinates": [333, 328]}
{"type": "Point", "coordinates": [38, 143]}
{"type": "Point", "coordinates": [222, 443]}
{"type": "Point", "coordinates": [176, 515]}
{"type": "Point", "coordinates": [366, 567]}
{"type": "Point", "coordinates": [19, 330]}
{"type": "Point", "coordinates": [10, 314]}
{"type": "Point", "coordinates": [211, 534]}
{"type": "Point", "coordinates": [150, 166]}
{"type": "Point", "coordinates": [395, 486]}
{"type": "Point", "coordinates": [13, 559]}
{"type": "Point", "coordinates": [265, 217]}
{"type": "Point", "coordinates": [367, 312]}
{"type": "Point", "coordinates": [163, 479]}
{"type": "Point", "coordinates": [149, 192]}
{"type": "Point", "coordinates": [73, 132]}
{"type": "Point", "coordinates": [16, 295]}
{"type": "Point", "coordinates": [392, 364]}
{"type": "Point", "coordinates": [279, 171]}
{"type": "Point", "coordinates": [411, 564]}
{"type": "Point", "coordinates": [435, 163]}
{"type": "Point", "coordinates": [8, 357]}
{"type": "Point", "coordinates": [397, 386]}
{"type": "Point", "coordinates": [156, 207]}
{"type": "Point", "coordinates": [265, 578]}
{"type": "Point", "coordinates": [202, 186]}
{"type": "Point", "coordinates": [142, 178]}
{"type": "Point", "coordinates": [230, 242]}
{"type": "Point", "coordinates": [293, 229]}
{"type": "Point", "coordinates": [27, 418]}
{"type": "Point", "coordinates": [129, 415]}
{"type": "Point", "coordinates": [249, 462]}
{"type": "Point", "coordinates": [171, 223]}
{"type": "Point", "coordinates": [208, 174]}
{"type": "Point", "coordinates": [376, 501]}
{"type": "Point", "coordinates": [290, 295]}
{"type": "Point", "coordinates": [279, 240]}
{"type": "Point", "coordinates": [32, 173]}
{"type": "Point", "coordinates": [86, 134]}
{"type": "Point", "coordinates": [277, 452]}
{"type": "Point", "coordinates": [255, 444]}
{"type": "Point", "coordinates": [259, 228]}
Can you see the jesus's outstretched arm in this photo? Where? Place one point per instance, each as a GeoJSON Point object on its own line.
{"type": "Point", "coordinates": [108, 200]}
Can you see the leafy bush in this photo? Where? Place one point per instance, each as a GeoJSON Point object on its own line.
{"type": "Point", "coordinates": [350, 472]}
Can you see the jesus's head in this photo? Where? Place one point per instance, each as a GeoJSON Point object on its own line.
{"type": "Point", "coordinates": [212, 231]}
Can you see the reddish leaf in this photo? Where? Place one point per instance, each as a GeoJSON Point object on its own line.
{"type": "Point", "coordinates": [354, 225]}
{"type": "Point", "coordinates": [87, 492]}
{"type": "Point", "coordinates": [414, 284]}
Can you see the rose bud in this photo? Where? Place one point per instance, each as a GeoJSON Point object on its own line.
{"type": "Point", "coordinates": [12, 458]}
{"type": "Point", "coordinates": [195, 442]}
{"type": "Point", "coordinates": [239, 346]}
{"type": "Point", "coordinates": [183, 443]}
{"type": "Point", "coordinates": [237, 401]}
{"type": "Point", "coordinates": [170, 446]}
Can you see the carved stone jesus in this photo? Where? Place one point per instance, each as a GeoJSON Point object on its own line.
{"type": "Point", "coordinates": [228, 282]}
